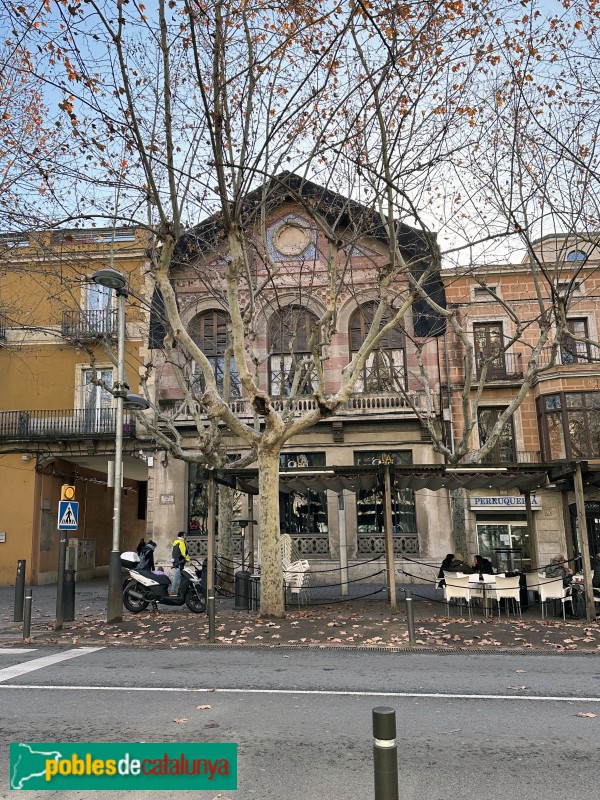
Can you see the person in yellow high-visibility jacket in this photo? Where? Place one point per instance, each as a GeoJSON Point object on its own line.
{"type": "Point", "coordinates": [179, 558]}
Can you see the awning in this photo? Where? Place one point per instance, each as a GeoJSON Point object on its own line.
{"type": "Point", "coordinates": [355, 479]}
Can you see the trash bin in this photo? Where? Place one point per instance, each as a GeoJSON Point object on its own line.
{"type": "Point", "coordinates": [242, 591]}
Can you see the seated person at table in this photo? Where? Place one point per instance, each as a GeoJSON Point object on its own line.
{"type": "Point", "coordinates": [459, 565]}
{"type": "Point", "coordinates": [483, 565]}
{"type": "Point", "coordinates": [557, 569]}
{"type": "Point", "coordinates": [445, 565]}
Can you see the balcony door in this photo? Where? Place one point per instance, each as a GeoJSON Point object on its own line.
{"type": "Point", "coordinates": [97, 402]}
{"type": "Point", "coordinates": [489, 349]}
{"type": "Point", "coordinates": [572, 351]}
{"type": "Point", "coordinates": [97, 315]}
{"type": "Point", "coordinates": [503, 450]}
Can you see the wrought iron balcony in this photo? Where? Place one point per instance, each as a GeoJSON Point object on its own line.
{"type": "Point", "coordinates": [570, 354]}
{"type": "Point", "coordinates": [500, 367]}
{"type": "Point", "coordinates": [89, 324]}
{"type": "Point", "coordinates": [58, 425]}
{"type": "Point", "coordinates": [506, 455]}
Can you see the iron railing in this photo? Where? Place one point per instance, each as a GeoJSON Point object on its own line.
{"type": "Point", "coordinates": [571, 354]}
{"type": "Point", "coordinates": [500, 367]}
{"type": "Point", "coordinates": [505, 455]}
{"type": "Point", "coordinates": [68, 424]}
{"type": "Point", "coordinates": [2, 327]}
{"type": "Point", "coordinates": [89, 324]}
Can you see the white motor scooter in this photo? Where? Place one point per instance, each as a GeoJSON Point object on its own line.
{"type": "Point", "coordinates": [145, 587]}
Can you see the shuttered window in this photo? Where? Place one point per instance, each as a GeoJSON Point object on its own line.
{"type": "Point", "coordinates": [385, 367]}
{"type": "Point", "coordinates": [209, 332]}
{"type": "Point", "coordinates": [290, 362]}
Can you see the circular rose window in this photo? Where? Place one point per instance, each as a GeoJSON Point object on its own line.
{"type": "Point", "coordinates": [291, 239]}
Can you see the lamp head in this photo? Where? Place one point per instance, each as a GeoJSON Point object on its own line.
{"type": "Point", "coordinates": [135, 402]}
{"type": "Point", "coordinates": [110, 278]}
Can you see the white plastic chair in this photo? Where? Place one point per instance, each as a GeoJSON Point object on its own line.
{"type": "Point", "coordinates": [553, 589]}
{"type": "Point", "coordinates": [507, 589]}
{"type": "Point", "coordinates": [596, 597]}
{"type": "Point", "coordinates": [457, 588]}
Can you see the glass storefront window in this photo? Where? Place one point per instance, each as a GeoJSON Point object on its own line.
{"type": "Point", "coordinates": [303, 512]}
{"type": "Point", "coordinates": [505, 544]}
{"type": "Point", "coordinates": [369, 504]}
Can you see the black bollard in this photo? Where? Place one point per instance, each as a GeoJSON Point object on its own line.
{"type": "Point", "coordinates": [385, 753]}
{"type": "Point", "coordinates": [19, 590]}
{"type": "Point", "coordinates": [241, 600]}
{"type": "Point", "coordinates": [410, 618]}
{"type": "Point", "coordinates": [69, 596]}
{"type": "Point", "coordinates": [27, 615]}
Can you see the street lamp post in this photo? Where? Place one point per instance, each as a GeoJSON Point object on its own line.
{"type": "Point", "coordinates": [114, 280]}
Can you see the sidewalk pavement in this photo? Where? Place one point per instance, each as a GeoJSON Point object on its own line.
{"type": "Point", "coordinates": [358, 622]}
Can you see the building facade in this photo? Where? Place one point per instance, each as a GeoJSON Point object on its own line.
{"type": "Point", "coordinates": [558, 422]}
{"type": "Point", "coordinates": [57, 420]}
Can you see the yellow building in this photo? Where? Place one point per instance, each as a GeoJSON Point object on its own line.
{"type": "Point", "coordinates": [57, 424]}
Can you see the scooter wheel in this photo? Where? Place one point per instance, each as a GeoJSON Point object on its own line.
{"type": "Point", "coordinates": [195, 601]}
{"type": "Point", "coordinates": [133, 604]}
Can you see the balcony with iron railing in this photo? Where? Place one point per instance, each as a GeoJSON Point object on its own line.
{"type": "Point", "coordinates": [506, 455]}
{"type": "Point", "coordinates": [571, 354]}
{"type": "Point", "coordinates": [59, 425]}
{"type": "Point", "coordinates": [499, 367]}
{"type": "Point", "coordinates": [2, 328]}
{"type": "Point", "coordinates": [94, 324]}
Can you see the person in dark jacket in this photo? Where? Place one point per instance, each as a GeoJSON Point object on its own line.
{"type": "Point", "coordinates": [483, 565]}
{"type": "Point", "coordinates": [147, 556]}
{"type": "Point", "coordinates": [458, 564]}
{"type": "Point", "coordinates": [445, 565]}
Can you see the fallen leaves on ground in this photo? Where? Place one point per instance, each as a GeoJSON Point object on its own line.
{"type": "Point", "coordinates": [589, 714]}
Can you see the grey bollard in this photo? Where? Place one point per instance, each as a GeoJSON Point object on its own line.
{"type": "Point", "coordinates": [410, 618]}
{"type": "Point", "coordinates": [19, 590]}
{"type": "Point", "coordinates": [385, 753]}
{"type": "Point", "coordinates": [69, 596]}
{"type": "Point", "coordinates": [27, 615]}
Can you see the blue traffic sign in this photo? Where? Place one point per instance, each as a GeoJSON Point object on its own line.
{"type": "Point", "coordinates": [68, 515]}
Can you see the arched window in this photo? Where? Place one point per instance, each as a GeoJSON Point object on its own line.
{"type": "Point", "coordinates": [577, 255]}
{"type": "Point", "coordinates": [209, 332]}
{"type": "Point", "coordinates": [291, 363]}
{"type": "Point", "coordinates": [385, 368]}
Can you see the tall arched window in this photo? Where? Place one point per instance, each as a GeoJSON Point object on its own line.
{"type": "Point", "coordinates": [385, 368]}
{"type": "Point", "coordinates": [291, 363]}
{"type": "Point", "coordinates": [209, 332]}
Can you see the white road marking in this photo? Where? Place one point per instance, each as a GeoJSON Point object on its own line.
{"type": "Point", "coordinates": [5, 651]}
{"type": "Point", "coordinates": [315, 692]}
{"type": "Point", "coordinates": [8, 673]}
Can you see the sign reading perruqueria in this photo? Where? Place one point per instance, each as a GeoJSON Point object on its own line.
{"type": "Point", "coordinates": [507, 503]}
{"type": "Point", "coordinates": [118, 766]}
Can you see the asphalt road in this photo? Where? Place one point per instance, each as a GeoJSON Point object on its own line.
{"type": "Point", "coordinates": [491, 727]}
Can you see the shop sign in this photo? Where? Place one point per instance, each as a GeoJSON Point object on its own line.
{"type": "Point", "coordinates": [508, 503]}
{"type": "Point", "coordinates": [167, 499]}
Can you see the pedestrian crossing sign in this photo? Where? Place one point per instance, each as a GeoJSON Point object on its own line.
{"type": "Point", "coordinates": [68, 514]}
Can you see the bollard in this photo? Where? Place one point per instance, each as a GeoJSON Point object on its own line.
{"type": "Point", "coordinates": [385, 753]}
{"type": "Point", "coordinates": [69, 596]}
{"type": "Point", "coordinates": [27, 616]}
{"type": "Point", "coordinates": [410, 618]}
{"type": "Point", "coordinates": [19, 590]}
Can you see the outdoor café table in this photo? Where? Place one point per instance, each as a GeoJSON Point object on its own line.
{"type": "Point", "coordinates": [485, 583]}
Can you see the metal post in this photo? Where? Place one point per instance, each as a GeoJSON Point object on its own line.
{"type": "Point", "coordinates": [115, 596]}
{"type": "Point", "coordinates": [410, 618]}
{"type": "Point", "coordinates": [19, 590]}
{"type": "Point", "coordinates": [532, 530]}
{"type": "Point", "coordinates": [343, 543]}
{"type": "Point", "coordinates": [584, 545]}
{"type": "Point", "coordinates": [60, 582]}
{"type": "Point", "coordinates": [210, 557]}
{"type": "Point", "coordinates": [389, 539]}
{"type": "Point", "coordinates": [69, 596]}
{"type": "Point", "coordinates": [385, 753]}
{"type": "Point", "coordinates": [251, 567]}
{"type": "Point", "coordinates": [27, 616]}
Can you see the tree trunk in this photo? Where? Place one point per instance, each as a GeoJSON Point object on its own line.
{"type": "Point", "coordinates": [271, 590]}
{"type": "Point", "coordinates": [225, 542]}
